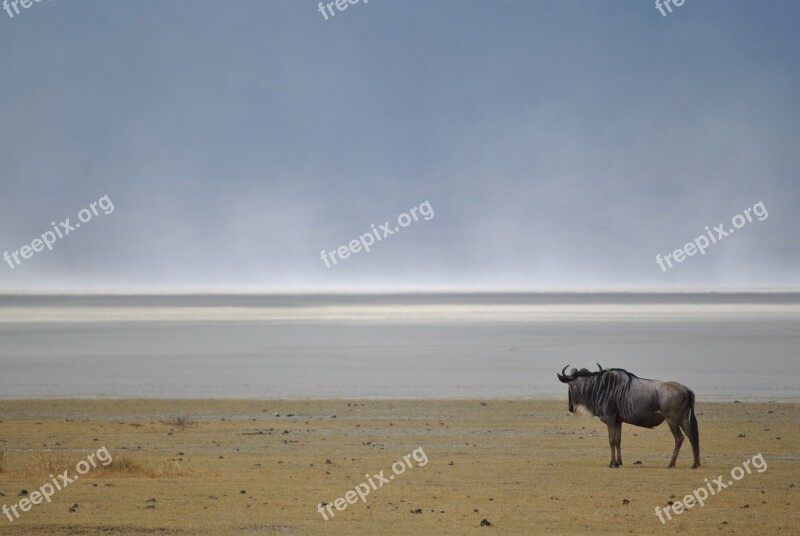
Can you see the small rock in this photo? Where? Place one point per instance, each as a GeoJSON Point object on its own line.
{"type": "Point", "coordinates": [151, 500]}
{"type": "Point", "coordinates": [242, 492]}
{"type": "Point", "coordinates": [417, 511]}
{"type": "Point", "coordinates": [741, 435]}
{"type": "Point", "coordinates": [485, 523]}
{"type": "Point", "coordinates": [23, 492]}
{"type": "Point", "coordinates": [626, 501]}
{"type": "Point", "coordinates": [637, 462]}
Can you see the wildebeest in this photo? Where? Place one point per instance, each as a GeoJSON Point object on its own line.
{"type": "Point", "coordinates": [617, 396]}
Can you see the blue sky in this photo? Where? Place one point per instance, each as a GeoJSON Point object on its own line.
{"type": "Point", "coordinates": [561, 144]}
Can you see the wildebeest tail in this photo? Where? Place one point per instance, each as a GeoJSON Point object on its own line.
{"type": "Point", "coordinates": [693, 423]}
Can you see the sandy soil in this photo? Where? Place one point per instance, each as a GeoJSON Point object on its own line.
{"type": "Point", "coordinates": [263, 467]}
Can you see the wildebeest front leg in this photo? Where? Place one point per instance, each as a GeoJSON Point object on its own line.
{"type": "Point", "coordinates": [612, 441]}
{"type": "Point", "coordinates": [676, 431]}
{"type": "Point", "coordinates": [619, 443]}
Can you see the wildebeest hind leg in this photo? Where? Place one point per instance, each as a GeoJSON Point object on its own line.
{"type": "Point", "coordinates": [694, 439]}
{"type": "Point", "coordinates": [613, 441]}
{"type": "Point", "coordinates": [676, 431]}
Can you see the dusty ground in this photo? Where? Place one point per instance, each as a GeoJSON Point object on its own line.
{"type": "Point", "coordinates": [262, 467]}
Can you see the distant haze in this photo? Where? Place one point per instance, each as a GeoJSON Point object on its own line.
{"type": "Point", "coordinates": [729, 347]}
{"type": "Point", "coordinates": [560, 144]}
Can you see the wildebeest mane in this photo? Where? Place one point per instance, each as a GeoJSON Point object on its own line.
{"type": "Point", "coordinates": [586, 373]}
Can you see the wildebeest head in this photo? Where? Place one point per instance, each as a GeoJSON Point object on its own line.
{"type": "Point", "coordinates": [571, 380]}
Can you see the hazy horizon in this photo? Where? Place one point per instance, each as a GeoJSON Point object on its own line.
{"type": "Point", "coordinates": [427, 289]}
{"type": "Point", "coordinates": [401, 345]}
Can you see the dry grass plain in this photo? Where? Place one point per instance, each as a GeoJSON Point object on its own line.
{"type": "Point", "coordinates": [262, 466]}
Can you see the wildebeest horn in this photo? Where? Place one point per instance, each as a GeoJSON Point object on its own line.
{"type": "Point", "coordinates": [600, 367]}
{"type": "Point", "coordinates": [562, 377]}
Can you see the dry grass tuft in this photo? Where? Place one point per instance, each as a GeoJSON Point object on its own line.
{"type": "Point", "coordinates": [41, 464]}
{"type": "Point", "coordinates": [124, 464]}
{"type": "Point", "coordinates": [48, 462]}
{"type": "Point", "coordinates": [180, 421]}
{"type": "Point", "coordinates": [172, 469]}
